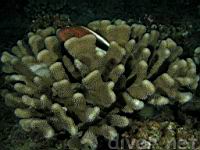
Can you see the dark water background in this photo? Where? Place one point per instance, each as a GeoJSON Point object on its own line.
{"type": "Point", "coordinates": [16, 15]}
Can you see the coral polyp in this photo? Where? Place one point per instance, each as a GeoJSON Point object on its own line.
{"type": "Point", "coordinates": [84, 86]}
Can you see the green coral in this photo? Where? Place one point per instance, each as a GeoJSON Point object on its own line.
{"type": "Point", "coordinates": [84, 90]}
{"type": "Point", "coordinates": [197, 55]}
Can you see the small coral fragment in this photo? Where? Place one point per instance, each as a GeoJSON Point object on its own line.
{"type": "Point", "coordinates": [119, 121]}
{"type": "Point", "coordinates": [141, 90]}
{"type": "Point", "coordinates": [37, 125]}
{"type": "Point", "coordinates": [85, 53]}
{"type": "Point", "coordinates": [46, 32]}
{"type": "Point", "coordinates": [57, 71]}
{"type": "Point", "coordinates": [99, 92]}
{"type": "Point", "coordinates": [197, 55]}
{"type": "Point", "coordinates": [131, 103]}
{"type": "Point", "coordinates": [108, 132]}
{"type": "Point", "coordinates": [46, 56]}
{"type": "Point", "coordinates": [36, 43]}
{"type": "Point", "coordinates": [89, 139]}
{"type": "Point", "coordinates": [26, 113]}
{"type": "Point", "coordinates": [64, 119]}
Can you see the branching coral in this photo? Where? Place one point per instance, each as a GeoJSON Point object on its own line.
{"type": "Point", "coordinates": [197, 55]}
{"type": "Point", "coordinates": [84, 87]}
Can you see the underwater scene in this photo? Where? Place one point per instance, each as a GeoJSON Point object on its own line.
{"type": "Point", "coordinates": [100, 75]}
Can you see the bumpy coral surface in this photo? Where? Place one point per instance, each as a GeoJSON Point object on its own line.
{"type": "Point", "coordinates": [84, 86]}
{"type": "Point", "coordinates": [197, 55]}
{"type": "Point", "coordinates": [159, 135]}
